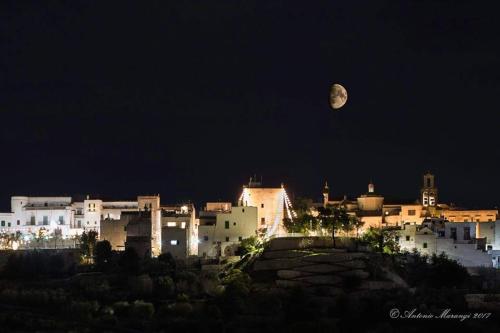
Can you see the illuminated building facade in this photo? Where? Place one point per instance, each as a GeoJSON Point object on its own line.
{"type": "Point", "coordinates": [223, 227]}
{"type": "Point", "coordinates": [31, 215]}
{"type": "Point", "coordinates": [273, 205]}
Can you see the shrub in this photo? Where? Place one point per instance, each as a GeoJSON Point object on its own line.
{"type": "Point", "coordinates": [142, 310]}
{"type": "Point", "coordinates": [188, 282]}
{"type": "Point", "coordinates": [83, 310]}
{"type": "Point", "coordinates": [141, 286]}
{"type": "Point", "coordinates": [210, 283]}
{"type": "Point", "coordinates": [168, 260]}
{"type": "Point", "coordinates": [182, 309]}
{"type": "Point", "coordinates": [129, 261]}
{"type": "Point", "coordinates": [165, 286]}
{"type": "Point", "coordinates": [121, 309]}
{"type": "Point", "coordinates": [103, 254]}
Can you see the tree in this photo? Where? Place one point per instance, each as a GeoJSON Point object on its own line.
{"type": "Point", "coordinates": [302, 206]}
{"type": "Point", "coordinates": [333, 218]}
{"type": "Point", "coordinates": [168, 260]}
{"type": "Point", "coordinates": [303, 223]}
{"type": "Point", "coordinates": [102, 254]}
{"type": "Point", "coordinates": [249, 245]}
{"type": "Point", "coordinates": [129, 261]}
{"type": "Point", "coordinates": [357, 223]}
{"type": "Point", "coordinates": [87, 243]}
{"type": "Point", "coordinates": [382, 239]}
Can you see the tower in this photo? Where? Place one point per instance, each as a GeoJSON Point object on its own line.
{"type": "Point", "coordinates": [326, 194]}
{"type": "Point", "coordinates": [371, 187]}
{"type": "Point", "coordinates": [429, 191]}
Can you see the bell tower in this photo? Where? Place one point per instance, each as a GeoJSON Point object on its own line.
{"type": "Point", "coordinates": [326, 194]}
{"type": "Point", "coordinates": [429, 191]}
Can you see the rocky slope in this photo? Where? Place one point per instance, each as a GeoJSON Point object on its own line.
{"type": "Point", "coordinates": [313, 264]}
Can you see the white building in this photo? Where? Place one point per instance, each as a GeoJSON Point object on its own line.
{"type": "Point", "coordinates": [30, 215]}
{"type": "Point", "coordinates": [221, 230]}
{"type": "Point", "coordinates": [459, 243]}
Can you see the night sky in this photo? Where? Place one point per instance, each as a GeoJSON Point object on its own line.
{"type": "Point", "coordinates": [190, 98]}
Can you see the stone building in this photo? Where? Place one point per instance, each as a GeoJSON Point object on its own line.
{"type": "Point", "coordinates": [222, 230]}
{"type": "Point", "coordinates": [179, 230]}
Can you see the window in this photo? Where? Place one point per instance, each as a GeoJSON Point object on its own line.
{"type": "Point", "coordinates": [32, 220]}
{"type": "Point", "coordinates": [424, 245]}
{"type": "Point", "coordinates": [407, 238]}
{"type": "Point", "coordinates": [61, 220]}
{"type": "Point", "coordinates": [243, 210]}
{"type": "Point", "coordinates": [3, 223]}
{"type": "Point", "coordinates": [124, 228]}
{"type": "Point", "coordinates": [240, 238]}
{"type": "Point", "coordinates": [183, 225]}
{"type": "Point", "coordinates": [467, 233]}
{"type": "Point", "coordinates": [171, 224]}
{"type": "Point", "coordinates": [263, 220]}
{"type": "Point", "coordinates": [79, 223]}
{"type": "Point", "coordinates": [261, 205]}
{"type": "Point", "coordinates": [45, 220]}
{"type": "Point", "coordinates": [227, 239]}
{"type": "Point", "coordinates": [8, 224]}
{"type": "Point", "coordinates": [174, 242]}
{"type": "Point", "coordinates": [411, 212]}
{"type": "Point", "coordinates": [234, 223]}
{"type": "Point", "coordinates": [18, 222]}
{"type": "Point", "coordinates": [453, 232]}
{"type": "Point", "coordinates": [205, 238]}
{"type": "Point", "coordinates": [226, 225]}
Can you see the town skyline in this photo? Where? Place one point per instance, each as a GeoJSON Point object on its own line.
{"type": "Point", "coordinates": [294, 193]}
{"type": "Point", "coordinates": [189, 100]}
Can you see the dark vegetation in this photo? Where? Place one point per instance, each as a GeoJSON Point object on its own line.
{"type": "Point", "coordinates": [54, 291]}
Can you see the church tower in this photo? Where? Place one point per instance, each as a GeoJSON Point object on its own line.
{"type": "Point", "coordinates": [326, 194]}
{"type": "Point", "coordinates": [429, 191]}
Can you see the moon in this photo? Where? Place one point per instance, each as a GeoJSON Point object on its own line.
{"type": "Point", "coordinates": [338, 96]}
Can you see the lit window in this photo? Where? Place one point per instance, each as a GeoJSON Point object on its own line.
{"type": "Point", "coordinates": [174, 242]}
{"type": "Point", "coordinates": [171, 224]}
{"type": "Point", "coordinates": [183, 225]}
